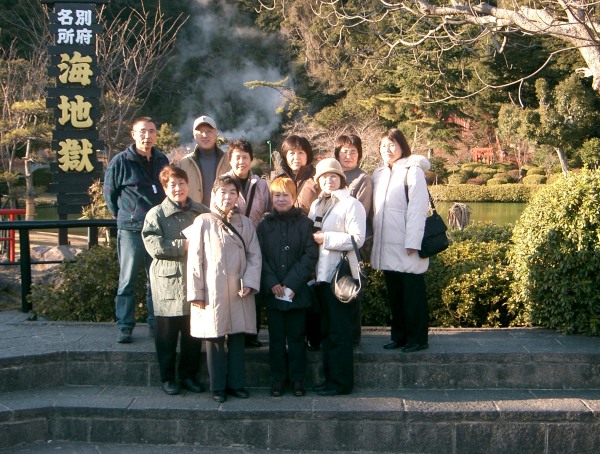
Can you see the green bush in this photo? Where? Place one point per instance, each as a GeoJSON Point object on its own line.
{"type": "Point", "coordinates": [497, 181]}
{"type": "Point", "coordinates": [536, 171]}
{"type": "Point", "coordinates": [554, 177]}
{"type": "Point", "coordinates": [86, 289]}
{"type": "Point", "coordinates": [477, 180]}
{"type": "Point", "coordinates": [514, 175]}
{"type": "Point", "coordinates": [374, 308]}
{"type": "Point", "coordinates": [556, 257]}
{"type": "Point", "coordinates": [457, 178]}
{"type": "Point", "coordinates": [473, 193]}
{"type": "Point", "coordinates": [534, 179]}
{"type": "Point", "coordinates": [485, 170]}
{"type": "Point", "coordinates": [469, 166]}
{"type": "Point", "coordinates": [469, 283]}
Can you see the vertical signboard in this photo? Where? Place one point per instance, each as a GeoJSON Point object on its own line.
{"type": "Point", "coordinates": [75, 99]}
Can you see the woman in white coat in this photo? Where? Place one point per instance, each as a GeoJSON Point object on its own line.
{"type": "Point", "coordinates": [224, 265]}
{"type": "Point", "coordinates": [338, 217]}
{"type": "Point", "coordinates": [398, 226]}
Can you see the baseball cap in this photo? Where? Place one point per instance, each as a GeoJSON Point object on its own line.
{"type": "Point", "coordinates": [204, 120]}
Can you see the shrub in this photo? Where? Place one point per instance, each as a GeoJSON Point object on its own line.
{"type": "Point", "coordinates": [534, 179]}
{"type": "Point", "coordinates": [536, 171]}
{"type": "Point", "coordinates": [473, 193]}
{"type": "Point", "coordinates": [469, 284]}
{"type": "Point", "coordinates": [374, 308]}
{"type": "Point", "coordinates": [486, 170]}
{"type": "Point", "coordinates": [457, 178]}
{"type": "Point", "coordinates": [469, 166]}
{"type": "Point", "coordinates": [554, 177]}
{"type": "Point", "coordinates": [514, 174]}
{"type": "Point", "coordinates": [497, 181]}
{"type": "Point", "coordinates": [556, 257]}
{"type": "Point", "coordinates": [86, 289]}
{"type": "Point", "coordinates": [478, 180]}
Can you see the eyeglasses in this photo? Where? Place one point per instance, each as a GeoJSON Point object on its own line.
{"type": "Point", "coordinates": [348, 152]}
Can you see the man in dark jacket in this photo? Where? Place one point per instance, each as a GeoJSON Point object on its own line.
{"type": "Point", "coordinates": [131, 188]}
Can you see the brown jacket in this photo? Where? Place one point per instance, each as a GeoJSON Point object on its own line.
{"type": "Point", "coordinates": [189, 164]}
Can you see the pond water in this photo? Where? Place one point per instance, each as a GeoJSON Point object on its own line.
{"type": "Point", "coordinates": [496, 212]}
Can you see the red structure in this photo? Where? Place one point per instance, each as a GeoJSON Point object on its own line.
{"type": "Point", "coordinates": [483, 154]}
{"type": "Point", "coordinates": [11, 213]}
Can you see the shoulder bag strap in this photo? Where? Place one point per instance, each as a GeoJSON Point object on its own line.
{"type": "Point", "coordinates": [250, 200]}
{"type": "Point", "coordinates": [230, 227]}
{"type": "Point", "coordinates": [431, 204]}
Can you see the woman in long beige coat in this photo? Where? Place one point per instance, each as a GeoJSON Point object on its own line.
{"type": "Point", "coordinates": [224, 265]}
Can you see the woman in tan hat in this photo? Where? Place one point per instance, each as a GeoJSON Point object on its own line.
{"type": "Point", "coordinates": [338, 217]}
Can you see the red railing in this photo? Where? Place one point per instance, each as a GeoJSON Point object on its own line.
{"type": "Point", "coordinates": [11, 213]}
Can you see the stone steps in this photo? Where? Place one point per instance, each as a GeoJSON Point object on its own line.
{"type": "Point", "coordinates": [368, 420]}
{"type": "Point", "coordinates": [488, 391]}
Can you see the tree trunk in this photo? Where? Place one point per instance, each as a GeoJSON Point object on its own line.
{"type": "Point", "coordinates": [591, 55]}
{"type": "Point", "coordinates": [563, 162]}
{"type": "Point", "coordinates": [29, 193]}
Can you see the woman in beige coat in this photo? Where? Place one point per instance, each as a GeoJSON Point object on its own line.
{"type": "Point", "coordinates": [224, 266]}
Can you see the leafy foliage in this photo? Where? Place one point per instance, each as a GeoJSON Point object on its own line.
{"type": "Point", "coordinates": [556, 257]}
{"type": "Point", "coordinates": [473, 193]}
{"type": "Point", "coordinates": [84, 290]}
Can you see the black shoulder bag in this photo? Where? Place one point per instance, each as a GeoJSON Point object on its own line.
{"type": "Point", "coordinates": [435, 239]}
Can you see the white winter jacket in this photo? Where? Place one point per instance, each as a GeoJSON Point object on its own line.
{"type": "Point", "coordinates": [398, 225]}
{"type": "Point", "coordinates": [345, 219]}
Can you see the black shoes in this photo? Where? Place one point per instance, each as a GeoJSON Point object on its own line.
{"type": "Point", "coordinates": [393, 345]}
{"type": "Point", "coordinates": [253, 343]}
{"type": "Point", "coordinates": [124, 336]}
{"type": "Point", "coordinates": [219, 396]}
{"type": "Point", "coordinates": [192, 385]}
{"type": "Point", "coordinates": [409, 348]}
{"type": "Point", "coordinates": [298, 389]}
{"type": "Point", "coordinates": [240, 393]}
{"type": "Point", "coordinates": [170, 387]}
{"type": "Point", "coordinates": [277, 389]}
{"type": "Point", "coordinates": [330, 392]}
{"type": "Point", "coordinates": [151, 331]}
{"type": "Point", "coordinates": [320, 387]}
{"type": "Point", "coordinates": [312, 347]}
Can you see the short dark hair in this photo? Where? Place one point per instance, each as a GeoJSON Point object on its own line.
{"type": "Point", "coordinates": [224, 180]}
{"type": "Point", "coordinates": [397, 136]}
{"type": "Point", "coordinates": [293, 142]}
{"type": "Point", "coordinates": [144, 120]}
{"type": "Point", "coordinates": [240, 145]}
{"type": "Point", "coordinates": [346, 140]}
{"type": "Point", "coordinates": [170, 171]}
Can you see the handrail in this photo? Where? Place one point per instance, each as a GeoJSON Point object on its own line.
{"type": "Point", "coordinates": [25, 258]}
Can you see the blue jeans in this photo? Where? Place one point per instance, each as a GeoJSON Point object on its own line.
{"type": "Point", "coordinates": [132, 257]}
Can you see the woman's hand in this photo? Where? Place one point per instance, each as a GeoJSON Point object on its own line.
{"type": "Point", "coordinates": [245, 292]}
{"type": "Point", "coordinates": [319, 237]}
{"type": "Point", "coordinates": [186, 245]}
{"type": "Point", "coordinates": [411, 251]}
{"type": "Point", "coordinates": [278, 290]}
{"type": "Point", "coordinates": [200, 304]}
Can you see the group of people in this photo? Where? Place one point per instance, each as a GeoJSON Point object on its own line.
{"type": "Point", "coordinates": [218, 242]}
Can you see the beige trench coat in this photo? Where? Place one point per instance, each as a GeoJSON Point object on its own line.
{"type": "Point", "coordinates": [217, 261]}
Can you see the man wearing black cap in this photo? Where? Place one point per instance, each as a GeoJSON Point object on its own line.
{"type": "Point", "coordinates": [206, 162]}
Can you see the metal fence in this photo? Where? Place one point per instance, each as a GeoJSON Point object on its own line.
{"type": "Point", "coordinates": [25, 262]}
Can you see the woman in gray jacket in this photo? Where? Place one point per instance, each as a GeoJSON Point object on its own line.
{"type": "Point", "coordinates": [168, 247]}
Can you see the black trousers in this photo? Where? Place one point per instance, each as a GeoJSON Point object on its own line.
{"type": "Point", "coordinates": [167, 332]}
{"type": "Point", "coordinates": [408, 303]}
{"type": "Point", "coordinates": [287, 327]}
{"type": "Point", "coordinates": [337, 344]}
{"type": "Point", "coordinates": [226, 362]}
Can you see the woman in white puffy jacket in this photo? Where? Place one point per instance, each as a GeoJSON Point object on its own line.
{"type": "Point", "coordinates": [398, 226]}
{"type": "Point", "coordinates": [338, 217]}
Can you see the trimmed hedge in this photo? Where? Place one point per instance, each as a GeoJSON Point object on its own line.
{"type": "Point", "coordinates": [534, 179]}
{"type": "Point", "coordinates": [473, 193]}
{"type": "Point", "coordinates": [556, 257]}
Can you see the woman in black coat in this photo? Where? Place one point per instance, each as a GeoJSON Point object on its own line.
{"type": "Point", "coordinates": [289, 256]}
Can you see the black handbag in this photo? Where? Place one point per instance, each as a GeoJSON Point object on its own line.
{"type": "Point", "coordinates": [345, 288]}
{"type": "Point", "coordinates": [435, 239]}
